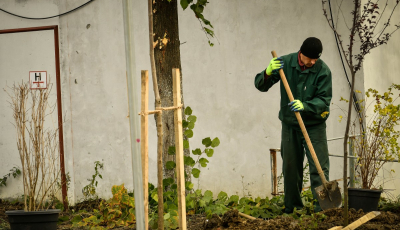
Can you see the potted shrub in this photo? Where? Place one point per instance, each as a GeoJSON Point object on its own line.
{"type": "Point", "coordinates": [38, 150]}
{"type": "Point", "coordinates": [377, 144]}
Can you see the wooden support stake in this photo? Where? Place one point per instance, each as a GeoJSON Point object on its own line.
{"type": "Point", "coordinates": [180, 170]}
{"type": "Point", "coordinates": [274, 172]}
{"type": "Point", "coordinates": [145, 144]}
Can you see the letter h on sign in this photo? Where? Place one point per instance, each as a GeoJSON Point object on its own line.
{"type": "Point", "coordinates": [38, 76]}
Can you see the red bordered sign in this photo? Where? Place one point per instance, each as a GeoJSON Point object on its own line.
{"type": "Point", "coordinates": [38, 79]}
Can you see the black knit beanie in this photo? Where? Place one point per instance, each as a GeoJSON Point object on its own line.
{"type": "Point", "coordinates": [311, 48]}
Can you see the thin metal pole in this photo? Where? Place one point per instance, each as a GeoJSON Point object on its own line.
{"type": "Point", "coordinates": [60, 123]}
{"type": "Point", "coordinates": [355, 157]}
{"type": "Point", "coordinates": [351, 162]}
{"type": "Point", "coordinates": [338, 138]}
{"type": "Point", "coordinates": [133, 119]}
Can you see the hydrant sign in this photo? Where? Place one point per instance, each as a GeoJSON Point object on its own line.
{"type": "Point", "coordinates": [38, 79]}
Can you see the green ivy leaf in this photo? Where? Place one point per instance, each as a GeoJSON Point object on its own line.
{"type": "Point", "coordinates": [188, 111]}
{"type": "Point", "coordinates": [222, 196]}
{"type": "Point", "coordinates": [207, 142]}
{"type": "Point", "coordinates": [185, 124]}
{"type": "Point", "coordinates": [190, 125]}
{"type": "Point", "coordinates": [189, 161]}
{"type": "Point", "coordinates": [208, 196]}
{"type": "Point", "coordinates": [215, 142]}
{"type": "Point", "coordinates": [207, 23]}
{"type": "Point", "coordinates": [210, 32]}
{"type": "Point", "coordinates": [168, 181]}
{"type": "Point", "coordinates": [203, 162]}
{"type": "Point", "coordinates": [189, 185]}
{"type": "Point", "coordinates": [62, 219]}
{"type": "Point", "coordinates": [190, 204]}
{"type": "Point", "coordinates": [197, 192]}
{"type": "Point", "coordinates": [170, 165]}
{"type": "Point", "coordinates": [171, 150]}
{"type": "Point", "coordinates": [167, 216]}
{"type": "Point", "coordinates": [198, 9]}
{"type": "Point", "coordinates": [76, 219]}
{"type": "Point", "coordinates": [192, 118]}
{"type": "Point", "coordinates": [184, 4]}
{"type": "Point", "coordinates": [188, 133]}
{"type": "Point", "coordinates": [195, 172]}
{"type": "Point", "coordinates": [174, 186]}
{"type": "Point", "coordinates": [202, 203]}
{"type": "Point", "coordinates": [209, 152]}
{"type": "Point", "coordinates": [234, 199]}
{"type": "Point", "coordinates": [154, 195]}
{"type": "Point", "coordinates": [185, 144]}
{"type": "Point", "coordinates": [196, 152]}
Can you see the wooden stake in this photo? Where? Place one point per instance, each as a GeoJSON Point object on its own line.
{"type": "Point", "coordinates": [160, 174]}
{"type": "Point", "coordinates": [180, 170]}
{"type": "Point", "coordinates": [145, 144]}
{"type": "Point", "coordinates": [362, 220]}
{"type": "Point", "coordinates": [358, 222]}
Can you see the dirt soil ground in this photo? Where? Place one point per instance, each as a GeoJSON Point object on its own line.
{"type": "Point", "coordinates": [231, 220]}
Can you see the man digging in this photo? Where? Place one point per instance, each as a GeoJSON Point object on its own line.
{"type": "Point", "coordinates": [310, 81]}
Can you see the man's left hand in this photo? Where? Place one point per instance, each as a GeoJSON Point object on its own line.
{"type": "Point", "coordinates": [296, 106]}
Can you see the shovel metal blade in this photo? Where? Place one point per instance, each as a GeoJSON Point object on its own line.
{"type": "Point", "coordinates": [329, 197]}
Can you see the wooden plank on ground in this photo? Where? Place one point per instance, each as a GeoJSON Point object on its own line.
{"type": "Point", "coordinates": [145, 143]}
{"type": "Point", "coordinates": [180, 173]}
{"type": "Point", "coordinates": [362, 220]}
{"type": "Point", "coordinates": [358, 222]}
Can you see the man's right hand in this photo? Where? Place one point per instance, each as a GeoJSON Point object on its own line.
{"type": "Point", "coordinates": [274, 65]}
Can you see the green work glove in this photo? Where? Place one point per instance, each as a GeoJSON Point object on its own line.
{"type": "Point", "coordinates": [274, 65]}
{"type": "Point", "coordinates": [296, 105]}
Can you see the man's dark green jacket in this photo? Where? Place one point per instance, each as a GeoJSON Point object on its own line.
{"type": "Point", "coordinates": [313, 87]}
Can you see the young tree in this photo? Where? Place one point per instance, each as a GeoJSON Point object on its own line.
{"type": "Point", "coordinates": [167, 56]}
{"type": "Point", "coordinates": [164, 56]}
{"type": "Point", "coordinates": [370, 27]}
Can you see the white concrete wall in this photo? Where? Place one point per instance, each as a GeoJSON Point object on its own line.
{"type": "Point", "coordinates": [95, 95]}
{"type": "Point", "coordinates": [218, 83]}
{"type": "Point", "coordinates": [19, 54]}
{"type": "Point", "coordinates": [381, 69]}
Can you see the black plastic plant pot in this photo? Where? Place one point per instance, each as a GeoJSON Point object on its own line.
{"type": "Point", "coordinates": [35, 220]}
{"type": "Point", "coordinates": [365, 199]}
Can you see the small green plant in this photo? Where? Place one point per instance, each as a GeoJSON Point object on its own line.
{"type": "Point", "coordinates": [390, 205]}
{"type": "Point", "coordinates": [170, 206]}
{"type": "Point", "coordinates": [201, 160]}
{"type": "Point", "coordinates": [311, 221]}
{"type": "Point", "coordinates": [118, 211]}
{"type": "Point", "coordinates": [14, 172]}
{"type": "Point", "coordinates": [306, 174]}
{"type": "Point", "coordinates": [195, 164]}
{"type": "Point", "coordinates": [89, 191]}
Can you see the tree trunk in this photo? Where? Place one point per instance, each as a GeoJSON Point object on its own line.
{"type": "Point", "coordinates": [167, 56]}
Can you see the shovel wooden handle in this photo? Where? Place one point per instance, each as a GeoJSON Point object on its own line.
{"type": "Point", "coordinates": [301, 123]}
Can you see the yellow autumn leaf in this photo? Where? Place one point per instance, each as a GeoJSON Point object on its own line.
{"type": "Point", "coordinates": [324, 114]}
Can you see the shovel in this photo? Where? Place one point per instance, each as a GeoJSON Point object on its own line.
{"type": "Point", "coordinates": [328, 194]}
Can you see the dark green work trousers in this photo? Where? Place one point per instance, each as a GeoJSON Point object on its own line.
{"type": "Point", "coordinates": [293, 149]}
